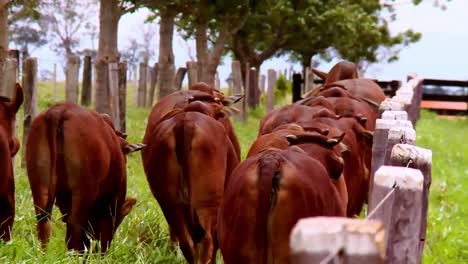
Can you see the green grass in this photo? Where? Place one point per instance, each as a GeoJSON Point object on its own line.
{"type": "Point", "coordinates": [143, 235]}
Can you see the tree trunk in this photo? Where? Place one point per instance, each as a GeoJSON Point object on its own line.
{"type": "Point", "coordinates": [166, 65]}
{"type": "Point", "coordinates": [109, 15]}
{"type": "Point", "coordinates": [201, 41]}
{"type": "Point", "coordinates": [3, 38]}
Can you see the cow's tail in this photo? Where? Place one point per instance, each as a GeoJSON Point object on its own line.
{"type": "Point", "coordinates": [54, 123]}
{"type": "Point", "coordinates": [184, 133]}
{"type": "Point", "coordinates": [269, 176]}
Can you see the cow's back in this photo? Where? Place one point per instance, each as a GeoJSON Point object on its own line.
{"type": "Point", "coordinates": [267, 195]}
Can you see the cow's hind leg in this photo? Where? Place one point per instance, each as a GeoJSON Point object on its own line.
{"type": "Point", "coordinates": [204, 234]}
{"type": "Point", "coordinates": [76, 222]}
{"type": "Point", "coordinates": [7, 214]}
{"type": "Point", "coordinates": [176, 218]}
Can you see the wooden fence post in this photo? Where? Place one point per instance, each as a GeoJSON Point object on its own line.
{"type": "Point", "coordinates": [192, 70]}
{"type": "Point", "coordinates": [379, 145]}
{"type": "Point", "coordinates": [152, 86]}
{"type": "Point", "coordinates": [296, 87]}
{"type": "Point", "coordinates": [237, 87]}
{"type": "Point", "coordinates": [395, 115]}
{"type": "Point", "coordinates": [400, 212]}
{"type": "Point", "coordinates": [217, 84]}
{"type": "Point", "coordinates": [337, 240]}
{"type": "Point", "coordinates": [271, 90]}
{"type": "Point", "coordinates": [71, 79]}
{"type": "Point", "coordinates": [87, 80]}
{"type": "Point", "coordinates": [135, 85]}
{"type": "Point", "coordinates": [306, 81]}
{"type": "Point", "coordinates": [8, 70]}
{"type": "Point", "coordinates": [389, 105]}
{"type": "Point", "coordinates": [123, 96]}
{"type": "Point", "coordinates": [114, 93]}
{"type": "Point", "coordinates": [253, 93]}
{"type": "Point", "coordinates": [179, 78]}
{"type": "Point", "coordinates": [245, 103]}
{"type": "Point", "coordinates": [54, 77]}
{"type": "Point", "coordinates": [405, 155]}
{"type": "Point", "coordinates": [261, 84]}
{"type": "Point", "coordinates": [142, 86]}
{"type": "Point", "coordinates": [30, 99]}
{"type": "Point", "coordinates": [399, 135]}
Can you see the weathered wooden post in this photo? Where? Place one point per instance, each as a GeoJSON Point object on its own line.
{"type": "Point", "coordinates": [152, 85]}
{"type": "Point", "coordinates": [410, 156]}
{"type": "Point", "coordinates": [30, 99]}
{"type": "Point", "coordinates": [399, 135]}
{"type": "Point", "coordinates": [54, 79]}
{"type": "Point", "coordinates": [237, 87]}
{"type": "Point", "coordinates": [252, 81]}
{"type": "Point", "coordinates": [217, 84]}
{"type": "Point", "coordinates": [8, 70]}
{"type": "Point", "coordinates": [114, 93]}
{"type": "Point", "coordinates": [179, 78]}
{"type": "Point", "coordinates": [261, 84]}
{"type": "Point", "coordinates": [395, 115]}
{"type": "Point", "coordinates": [337, 240]}
{"type": "Point", "coordinates": [192, 70]}
{"type": "Point", "coordinates": [142, 85]}
{"type": "Point", "coordinates": [389, 105]}
{"type": "Point", "coordinates": [123, 96]}
{"type": "Point", "coordinates": [15, 54]}
{"type": "Point", "coordinates": [271, 90]}
{"type": "Point", "coordinates": [296, 87]}
{"type": "Point", "coordinates": [245, 103]}
{"type": "Point", "coordinates": [397, 201]}
{"type": "Point", "coordinates": [379, 145]}
{"type": "Point", "coordinates": [305, 87]}
{"type": "Point", "coordinates": [87, 80]}
{"type": "Point", "coordinates": [135, 85]}
{"type": "Point", "coordinates": [71, 79]}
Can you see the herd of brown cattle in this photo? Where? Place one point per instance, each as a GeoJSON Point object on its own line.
{"type": "Point", "coordinates": [311, 158]}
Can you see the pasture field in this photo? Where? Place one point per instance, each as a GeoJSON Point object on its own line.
{"type": "Point", "coordinates": [143, 235]}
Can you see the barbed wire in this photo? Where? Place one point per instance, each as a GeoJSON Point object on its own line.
{"type": "Point", "coordinates": [332, 255]}
{"type": "Point", "coordinates": [394, 187]}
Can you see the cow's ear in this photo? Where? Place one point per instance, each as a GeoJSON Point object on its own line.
{"type": "Point", "coordinates": [342, 148]}
{"type": "Point", "coordinates": [129, 148]}
{"type": "Point", "coordinates": [335, 140]}
{"type": "Point", "coordinates": [228, 111]}
{"type": "Point", "coordinates": [367, 136]}
{"type": "Point", "coordinates": [322, 75]}
{"type": "Point", "coordinates": [127, 206]}
{"type": "Point", "coordinates": [232, 99]}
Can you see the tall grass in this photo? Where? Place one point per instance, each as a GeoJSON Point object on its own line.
{"type": "Point", "coordinates": [143, 235]}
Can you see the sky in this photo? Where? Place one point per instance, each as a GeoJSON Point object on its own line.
{"type": "Point", "coordinates": [441, 53]}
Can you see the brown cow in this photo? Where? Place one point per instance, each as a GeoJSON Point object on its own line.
{"type": "Point", "coordinates": [357, 157]}
{"type": "Point", "coordinates": [294, 113]}
{"type": "Point", "coordinates": [268, 193]}
{"type": "Point", "coordinates": [9, 146]}
{"type": "Point", "coordinates": [187, 162]}
{"type": "Point", "coordinates": [345, 107]}
{"type": "Point", "coordinates": [180, 99]}
{"type": "Point", "coordinates": [345, 75]}
{"type": "Point", "coordinates": [341, 71]}
{"type": "Point", "coordinates": [316, 145]}
{"type": "Point", "coordinates": [76, 159]}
